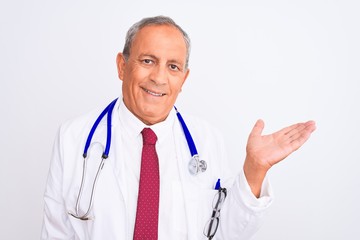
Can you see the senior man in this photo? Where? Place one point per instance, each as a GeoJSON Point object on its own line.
{"type": "Point", "coordinates": [147, 189]}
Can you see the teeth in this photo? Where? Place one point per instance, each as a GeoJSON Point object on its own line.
{"type": "Point", "coordinates": [155, 94]}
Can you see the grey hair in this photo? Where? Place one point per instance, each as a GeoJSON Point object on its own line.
{"type": "Point", "coordinates": [158, 20]}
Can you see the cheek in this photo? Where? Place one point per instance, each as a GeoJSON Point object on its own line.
{"type": "Point", "coordinates": [131, 79]}
{"type": "Point", "coordinates": [176, 85]}
{"type": "Point", "coordinates": [128, 87]}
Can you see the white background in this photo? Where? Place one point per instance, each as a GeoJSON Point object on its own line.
{"type": "Point", "coordinates": [282, 61]}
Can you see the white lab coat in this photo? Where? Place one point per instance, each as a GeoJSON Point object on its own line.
{"type": "Point", "coordinates": [240, 216]}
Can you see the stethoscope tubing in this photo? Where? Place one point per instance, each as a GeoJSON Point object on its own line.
{"type": "Point", "coordinates": [200, 165]}
{"type": "Point", "coordinates": [188, 136]}
{"type": "Point", "coordinates": [108, 110]}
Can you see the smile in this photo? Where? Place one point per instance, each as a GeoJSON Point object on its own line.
{"type": "Point", "coordinates": [154, 93]}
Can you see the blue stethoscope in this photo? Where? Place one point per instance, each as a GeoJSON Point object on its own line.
{"type": "Point", "coordinates": [195, 164]}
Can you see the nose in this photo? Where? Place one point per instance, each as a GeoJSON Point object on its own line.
{"type": "Point", "coordinates": [159, 75]}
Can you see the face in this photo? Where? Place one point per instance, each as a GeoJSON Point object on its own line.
{"type": "Point", "coordinates": [154, 72]}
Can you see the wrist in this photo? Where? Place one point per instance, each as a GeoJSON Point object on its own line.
{"type": "Point", "coordinates": [254, 174]}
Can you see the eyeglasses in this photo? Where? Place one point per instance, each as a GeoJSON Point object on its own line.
{"type": "Point", "coordinates": [213, 223]}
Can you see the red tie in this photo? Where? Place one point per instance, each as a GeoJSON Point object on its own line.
{"type": "Point", "coordinates": [147, 213]}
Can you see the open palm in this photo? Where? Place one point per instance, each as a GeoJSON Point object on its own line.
{"type": "Point", "coordinates": [268, 150]}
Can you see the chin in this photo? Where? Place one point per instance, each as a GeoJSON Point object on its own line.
{"type": "Point", "coordinates": [155, 116]}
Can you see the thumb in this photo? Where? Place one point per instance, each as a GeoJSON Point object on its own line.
{"type": "Point", "coordinates": [258, 128]}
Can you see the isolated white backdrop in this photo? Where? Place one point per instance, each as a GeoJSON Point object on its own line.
{"type": "Point", "coordinates": [282, 61]}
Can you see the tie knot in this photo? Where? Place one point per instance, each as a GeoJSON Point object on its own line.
{"type": "Point", "coordinates": [149, 137]}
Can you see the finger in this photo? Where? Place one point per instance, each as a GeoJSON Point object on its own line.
{"type": "Point", "coordinates": [258, 128]}
{"type": "Point", "coordinates": [308, 126]}
{"type": "Point", "coordinates": [311, 125]}
{"type": "Point", "coordinates": [302, 137]}
{"type": "Point", "coordinates": [298, 142]}
{"type": "Point", "coordinates": [287, 130]}
{"type": "Point", "coordinates": [298, 138]}
{"type": "Point", "coordinates": [295, 132]}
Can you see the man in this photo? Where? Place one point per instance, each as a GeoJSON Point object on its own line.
{"type": "Point", "coordinates": [180, 205]}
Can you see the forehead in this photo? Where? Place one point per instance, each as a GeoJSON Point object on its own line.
{"type": "Point", "coordinates": [159, 39]}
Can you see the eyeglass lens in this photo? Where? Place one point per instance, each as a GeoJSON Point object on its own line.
{"type": "Point", "coordinates": [213, 223]}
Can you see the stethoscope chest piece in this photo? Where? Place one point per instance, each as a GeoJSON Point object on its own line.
{"type": "Point", "coordinates": [196, 165]}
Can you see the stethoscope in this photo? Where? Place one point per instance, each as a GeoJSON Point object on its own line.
{"type": "Point", "coordinates": [195, 165]}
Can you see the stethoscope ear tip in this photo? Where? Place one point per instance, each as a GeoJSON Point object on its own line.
{"type": "Point", "coordinates": [79, 217]}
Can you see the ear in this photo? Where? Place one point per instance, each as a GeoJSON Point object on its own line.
{"type": "Point", "coordinates": [185, 76]}
{"type": "Point", "coordinates": [120, 63]}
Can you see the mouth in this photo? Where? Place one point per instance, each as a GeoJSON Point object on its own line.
{"type": "Point", "coordinates": [155, 94]}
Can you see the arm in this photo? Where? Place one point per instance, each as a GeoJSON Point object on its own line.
{"type": "Point", "coordinates": [56, 223]}
{"type": "Point", "coordinates": [263, 152]}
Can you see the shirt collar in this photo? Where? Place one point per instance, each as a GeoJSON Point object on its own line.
{"type": "Point", "coordinates": [133, 126]}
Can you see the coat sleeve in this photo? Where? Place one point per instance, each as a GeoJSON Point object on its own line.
{"type": "Point", "coordinates": [56, 223]}
{"type": "Point", "coordinates": [242, 213]}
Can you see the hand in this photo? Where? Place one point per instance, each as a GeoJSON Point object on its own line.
{"type": "Point", "coordinates": [270, 149]}
{"type": "Point", "coordinates": [262, 152]}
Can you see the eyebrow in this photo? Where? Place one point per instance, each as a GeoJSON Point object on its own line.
{"type": "Point", "coordinates": [157, 59]}
{"type": "Point", "coordinates": [148, 55]}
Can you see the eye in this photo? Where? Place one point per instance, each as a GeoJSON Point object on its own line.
{"type": "Point", "coordinates": [147, 61]}
{"type": "Point", "coordinates": [174, 67]}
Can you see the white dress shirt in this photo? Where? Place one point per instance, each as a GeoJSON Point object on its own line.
{"type": "Point", "coordinates": [168, 169]}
